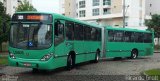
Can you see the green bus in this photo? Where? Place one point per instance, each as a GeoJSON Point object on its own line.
{"type": "Point", "coordinates": [125, 42]}
{"type": "Point", "coordinates": [47, 41]}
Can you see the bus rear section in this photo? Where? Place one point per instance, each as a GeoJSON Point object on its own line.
{"type": "Point", "coordinates": [125, 42]}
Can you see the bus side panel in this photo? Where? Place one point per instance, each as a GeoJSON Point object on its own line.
{"type": "Point", "coordinates": [79, 49]}
{"type": "Point", "coordinates": [92, 47]}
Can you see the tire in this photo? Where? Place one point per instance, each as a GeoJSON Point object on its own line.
{"type": "Point", "coordinates": [70, 62]}
{"type": "Point", "coordinates": [134, 54]}
{"type": "Point", "coordinates": [97, 57]}
{"type": "Point", "coordinates": [34, 70]}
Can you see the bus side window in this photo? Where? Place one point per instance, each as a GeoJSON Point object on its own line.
{"type": "Point", "coordinates": [87, 34]}
{"type": "Point", "coordinates": [78, 32]}
{"type": "Point", "coordinates": [93, 34]}
{"type": "Point", "coordinates": [110, 35]}
{"type": "Point", "coordinates": [147, 38]}
{"type": "Point", "coordinates": [69, 31]}
{"type": "Point", "coordinates": [118, 36]}
{"type": "Point", "coordinates": [59, 32]}
{"type": "Point", "coordinates": [99, 34]}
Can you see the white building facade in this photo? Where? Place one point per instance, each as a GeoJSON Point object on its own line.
{"type": "Point", "coordinates": [110, 12]}
{"type": "Point", "coordinates": [62, 7]}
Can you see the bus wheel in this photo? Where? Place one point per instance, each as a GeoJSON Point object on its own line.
{"type": "Point", "coordinates": [70, 62]}
{"type": "Point", "coordinates": [34, 70]}
{"type": "Point", "coordinates": [97, 57]}
{"type": "Point", "coordinates": [134, 54]}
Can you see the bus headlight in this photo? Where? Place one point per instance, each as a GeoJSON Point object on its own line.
{"type": "Point", "coordinates": [12, 56]}
{"type": "Point", "coordinates": [46, 57]}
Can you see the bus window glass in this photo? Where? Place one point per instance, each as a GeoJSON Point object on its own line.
{"type": "Point", "coordinates": [147, 38]}
{"type": "Point", "coordinates": [87, 33]}
{"type": "Point", "coordinates": [138, 37]}
{"type": "Point", "coordinates": [69, 31]}
{"type": "Point", "coordinates": [99, 34]}
{"type": "Point", "coordinates": [93, 34]}
{"type": "Point", "coordinates": [31, 36]}
{"type": "Point", "coordinates": [110, 35]}
{"type": "Point", "coordinates": [78, 32]}
{"type": "Point", "coordinates": [118, 36]}
{"type": "Point", "coordinates": [129, 36]}
{"type": "Point", "coordinates": [59, 33]}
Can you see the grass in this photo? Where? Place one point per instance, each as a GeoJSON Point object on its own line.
{"type": "Point", "coordinates": [3, 60]}
{"type": "Point", "coordinates": [153, 72]}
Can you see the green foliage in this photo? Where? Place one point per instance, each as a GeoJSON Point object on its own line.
{"type": "Point", "coordinates": [4, 18]}
{"type": "Point", "coordinates": [4, 61]}
{"type": "Point", "coordinates": [25, 6]}
{"type": "Point", "coordinates": [154, 23]}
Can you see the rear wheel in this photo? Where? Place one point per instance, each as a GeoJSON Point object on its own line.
{"type": "Point", "coordinates": [34, 70]}
{"type": "Point", "coordinates": [134, 54]}
{"type": "Point", "coordinates": [97, 56]}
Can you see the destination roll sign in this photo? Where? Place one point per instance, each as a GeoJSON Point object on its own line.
{"type": "Point", "coordinates": [32, 17]}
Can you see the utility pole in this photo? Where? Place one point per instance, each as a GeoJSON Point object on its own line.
{"type": "Point", "coordinates": [124, 13]}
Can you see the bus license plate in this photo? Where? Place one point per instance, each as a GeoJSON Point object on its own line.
{"type": "Point", "coordinates": [27, 64]}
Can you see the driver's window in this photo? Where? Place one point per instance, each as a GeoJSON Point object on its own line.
{"type": "Point", "coordinates": [58, 32]}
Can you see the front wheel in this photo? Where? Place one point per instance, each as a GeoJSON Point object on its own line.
{"type": "Point", "coordinates": [70, 62]}
{"type": "Point", "coordinates": [134, 54]}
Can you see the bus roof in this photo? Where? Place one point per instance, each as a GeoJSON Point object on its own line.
{"type": "Point", "coordinates": [59, 16]}
{"type": "Point", "coordinates": [126, 29]}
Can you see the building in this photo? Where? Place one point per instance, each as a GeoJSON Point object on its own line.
{"type": "Point", "coordinates": [62, 7]}
{"type": "Point", "coordinates": [110, 12]}
{"type": "Point", "coordinates": [11, 5]}
{"type": "Point", "coordinates": [151, 7]}
{"type": "Point", "coordinates": [68, 8]}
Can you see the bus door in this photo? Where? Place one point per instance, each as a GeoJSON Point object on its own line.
{"type": "Point", "coordinates": [69, 36]}
{"type": "Point", "coordinates": [59, 42]}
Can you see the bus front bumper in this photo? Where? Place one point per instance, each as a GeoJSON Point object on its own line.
{"type": "Point", "coordinates": [34, 63]}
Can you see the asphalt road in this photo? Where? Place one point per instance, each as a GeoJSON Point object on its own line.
{"type": "Point", "coordinates": [104, 70]}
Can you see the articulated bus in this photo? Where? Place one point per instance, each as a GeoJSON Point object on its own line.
{"type": "Point", "coordinates": [126, 42]}
{"type": "Point", "coordinates": [47, 41]}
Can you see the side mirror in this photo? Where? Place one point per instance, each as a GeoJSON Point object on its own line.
{"type": "Point", "coordinates": [4, 27]}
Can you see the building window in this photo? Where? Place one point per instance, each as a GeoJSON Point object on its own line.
{"type": "Point", "coordinates": [95, 2]}
{"type": "Point", "coordinates": [18, 1]}
{"type": "Point", "coordinates": [82, 13]}
{"type": "Point", "coordinates": [150, 13]}
{"type": "Point", "coordinates": [81, 4]}
{"type": "Point", "coordinates": [150, 5]}
{"type": "Point", "coordinates": [95, 12]}
{"type": "Point", "coordinates": [106, 11]}
{"type": "Point", "coordinates": [106, 2]}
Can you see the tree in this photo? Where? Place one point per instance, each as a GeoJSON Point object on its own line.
{"type": "Point", "coordinates": [3, 18]}
{"type": "Point", "coordinates": [154, 23]}
{"type": "Point", "coordinates": [25, 6]}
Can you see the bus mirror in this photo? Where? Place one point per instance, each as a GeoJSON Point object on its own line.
{"type": "Point", "coordinates": [4, 27]}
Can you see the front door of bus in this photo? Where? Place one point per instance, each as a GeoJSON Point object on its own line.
{"type": "Point", "coordinates": [59, 42]}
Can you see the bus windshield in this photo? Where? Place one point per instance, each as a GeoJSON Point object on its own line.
{"type": "Point", "coordinates": [31, 36]}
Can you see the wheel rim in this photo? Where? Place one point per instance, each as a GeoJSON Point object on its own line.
{"type": "Point", "coordinates": [70, 60]}
{"type": "Point", "coordinates": [134, 54]}
{"type": "Point", "coordinates": [97, 58]}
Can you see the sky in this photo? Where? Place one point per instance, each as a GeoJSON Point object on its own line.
{"type": "Point", "coordinates": [46, 5]}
